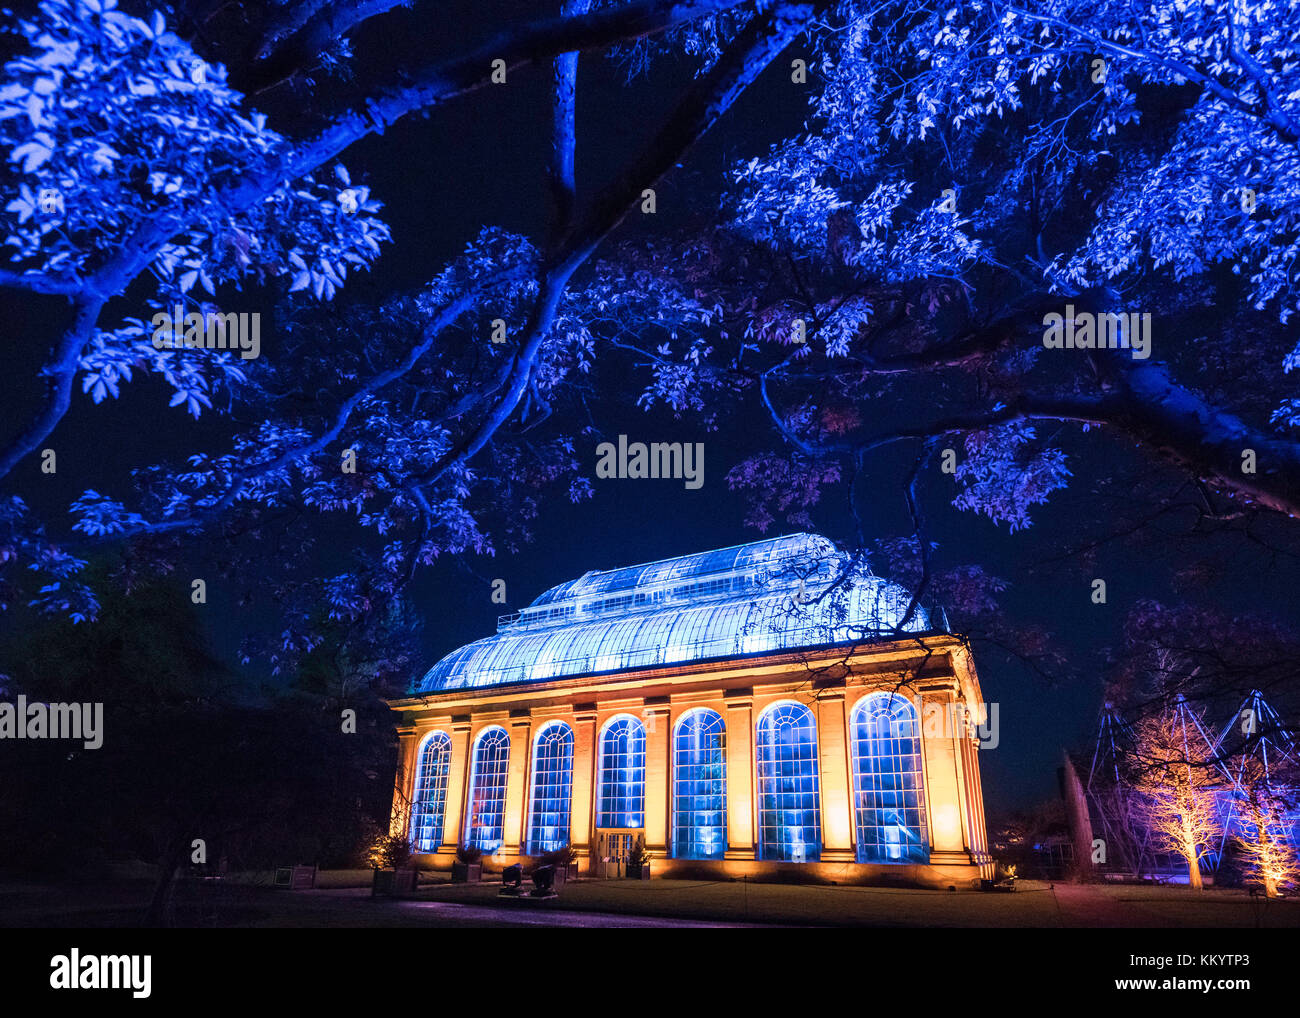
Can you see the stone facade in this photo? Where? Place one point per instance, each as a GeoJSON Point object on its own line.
{"type": "Point", "coordinates": [934, 672]}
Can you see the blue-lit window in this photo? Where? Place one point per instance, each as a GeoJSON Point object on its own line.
{"type": "Point", "coordinates": [700, 786]}
{"type": "Point", "coordinates": [621, 777]}
{"type": "Point", "coordinates": [888, 794]}
{"type": "Point", "coordinates": [429, 800]}
{"type": "Point", "coordinates": [548, 822]}
{"type": "Point", "coordinates": [487, 791]}
{"type": "Point", "coordinates": [789, 801]}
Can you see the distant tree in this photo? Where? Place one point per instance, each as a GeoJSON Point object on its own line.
{"type": "Point", "coordinates": [1176, 784]}
{"type": "Point", "coordinates": [189, 749]}
{"type": "Point", "coordinates": [1213, 655]}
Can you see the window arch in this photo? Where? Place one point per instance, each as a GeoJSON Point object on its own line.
{"type": "Point", "coordinates": [789, 800]}
{"type": "Point", "coordinates": [888, 790]}
{"type": "Point", "coordinates": [700, 786]}
{"type": "Point", "coordinates": [487, 791]}
{"type": "Point", "coordinates": [548, 821]}
{"type": "Point", "coordinates": [621, 775]}
{"type": "Point", "coordinates": [429, 793]}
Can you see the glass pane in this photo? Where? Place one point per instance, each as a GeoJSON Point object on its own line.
{"type": "Point", "coordinates": [487, 801]}
{"type": "Point", "coordinates": [789, 800]}
{"type": "Point", "coordinates": [548, 824]}
{"type": "Point", "coordinates": [430, 799]}
{"type": "Point", "coordinates": [888, 796]}
{"type": "Point", "coordinates": [699, 787]}
{"type": "Point", "coordinates": [621, 783]}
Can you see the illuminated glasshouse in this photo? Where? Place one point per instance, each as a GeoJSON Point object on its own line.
{"type": "Point", "coordinates": [771, 708]}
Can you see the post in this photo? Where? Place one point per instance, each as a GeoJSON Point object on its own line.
{"type": "Point", "coordinates": [517, 773]}
{"type": "Point", "coordinates": [457, 773]}
{"type": "Point", "coordinates": [740, 777]}
{"type": "Point", "coordinates": [584, 772]}
{"type": "Point", "coordinates": [658, 734]}
{"type": "Point", "coordinates": [833, 765]}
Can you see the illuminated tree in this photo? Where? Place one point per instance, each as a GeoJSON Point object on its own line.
{"type": "Point", "coordinates": [1177, 782]}
{"type": "Point", "coordinates": [1262, 808]}
{"type": "Point", "coordinates": [1265, 812]}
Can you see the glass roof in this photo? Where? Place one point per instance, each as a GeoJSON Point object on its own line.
{"type": "Point", "coordinates": [777, 594]}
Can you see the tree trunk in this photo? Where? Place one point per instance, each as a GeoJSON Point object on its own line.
{"type": "Point", "coordinates": [157, 915]}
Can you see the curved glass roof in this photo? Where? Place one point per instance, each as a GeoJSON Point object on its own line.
{"type": "Point", "coordinates": [777, 594]}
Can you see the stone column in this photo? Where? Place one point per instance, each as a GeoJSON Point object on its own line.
{"type": "Point", "coordinates": [973, 800]}
{"type": "Point", "coordinates": [960, 752]}
{"type": "Point", "coordinates": [453, 836]}
{"type": "Point", "coordinates": [517, 778]}
{"type": "Point", "coordinates": [942, 778]}
{"type": "Point", "coordinates": [582, 806]}
{"type": "Point", "coordinates": [404, 781]}
{"type": "Point", "coordinates": [658, 735]}
{"type": "Point", "coordinates": [740, 777]}
{"type": "Point", "coordinates": [833, 768]}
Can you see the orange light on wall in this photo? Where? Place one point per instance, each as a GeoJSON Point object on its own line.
{"type": "Point", "coordinates": [947, 825]}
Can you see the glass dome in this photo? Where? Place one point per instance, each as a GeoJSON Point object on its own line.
{"type": "Point", "coordinates": [772, 595]}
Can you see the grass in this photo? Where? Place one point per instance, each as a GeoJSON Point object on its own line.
{"type": "Point", "coordinates": [1034, 904]}
{"type": "Point", "coordinates": [111, 904]}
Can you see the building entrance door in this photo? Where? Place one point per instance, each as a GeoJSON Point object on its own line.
{"type": "Point", "coordinates": [614, 849]}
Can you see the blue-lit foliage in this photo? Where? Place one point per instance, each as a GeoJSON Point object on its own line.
{"type": "Point", "coordinates": [429, 803]}
{"type": "Point", "coordinates": [548, 820]}
{"type": "Point", "coordinates": [959, 169]}
{"type": "Point", "coordinates": [104, 101]}
{"type": "Point", "coordinates": [888, 795]}
{"type": "Point", "coordinates": [487, 791]}
{"type": "Point", "coordinates": [700, 786]}
{"type": "Point", "coordinates": [789, 794]}
{"type": "Point", "coordinates": [620, 777]}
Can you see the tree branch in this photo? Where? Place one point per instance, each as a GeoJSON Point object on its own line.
{"type": "Point", "coordinates": [706, 102]}
{"type": "Point", "coordinates": [1270, 114]}
{"type": "Point", "coordinates": [563, 185]}
{"type": "Point", "coordinates": [437, 84]}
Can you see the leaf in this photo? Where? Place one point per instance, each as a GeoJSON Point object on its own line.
{"type": "Point", "coordinates": [33, 155]}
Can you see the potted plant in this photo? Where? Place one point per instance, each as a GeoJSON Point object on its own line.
{"type": "Point", "coordinates": [638, 861]}
{"type": "Point", "coordinates": [389, 854]}
{"type": "Point", "coordinates": [468, 867]}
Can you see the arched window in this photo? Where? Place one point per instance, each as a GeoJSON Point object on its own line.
{"type": "Point", "coordinates": [487, 791]}
{"type": "Point", "coordinates": [548, 822]}
{"type": "Point", "coordinates": [789, 802]}
{"type": "Point", "coordinates": [621, 777]}
{"type": "Point", "coordinates": [700, 786]}
{"type": "Point", "coordinates": [429, 797]}
{"type": "Point", "coordinates": [888, 799]}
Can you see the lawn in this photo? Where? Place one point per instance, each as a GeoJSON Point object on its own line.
{"type": "Point", "coordinates": [111, 904]}
{"type": "Point", "coordinates": [1034, 904]}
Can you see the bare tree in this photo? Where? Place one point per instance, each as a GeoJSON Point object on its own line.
{"type": "Point", "coordinates": [1176, 783]}
{"type": "Point", "coordinates": [1263, 807]}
